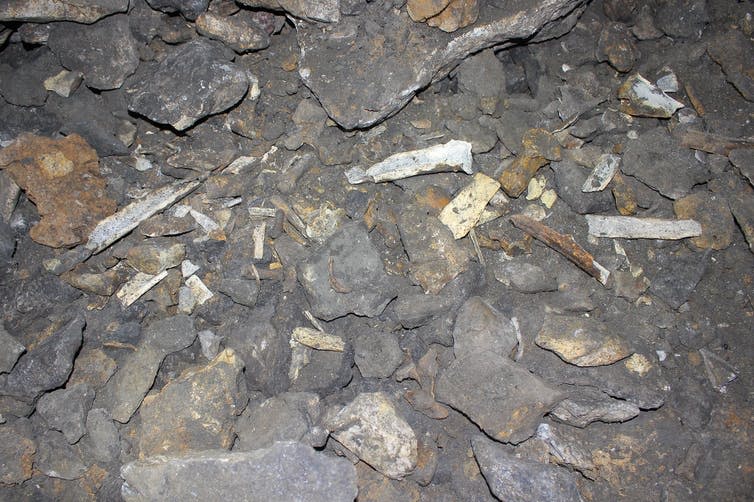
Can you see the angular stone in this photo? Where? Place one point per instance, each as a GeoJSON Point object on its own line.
{"type": "Point", "coordinates": [26, 88]}
{"type": "Point", "coordinates": [102, 441]}
{"type": "Point", "coordinates": [674, 274]}
{"type": "Point", "coordinates": [196, 411]}
{"type": "Point", "coordinates": [481, 75]}
{"type": "Point", "coordinates": [713, 213]}
{"type": "Point", "coordinates": [54, 174]}
{"type": "Point", "coordinates": [569, 180]}
{"type": "Point", "coordinates": [326, 11]}
{"type": "Point", "coordinates": [582, 341]}
{"type": "Point", "coordinates": [64, 83]}
{"type": "Point", "coordinates": [525, 277]}
{"type": "Point", "coordinates": [742, 207]}
{"type": "Point", "coordinates": [58, 459]}
{"type": "Point", "coordinates": [377, 354]}
{"type": "Point", "coordinates": [435, 256]}
{"type": "Point", "coordinates": [658, 160]}
{"type": "Point", "coordinates": [463, 212]}
{"type": "Point", "coordinates": [189, 9]}
{"type": "Point", "coordinates": [285, 471]}
{"type": "Point", "coordinates": [421, 10]}
{"type": "Point", "coordinates": [501, 397]}
{"type": "Point", "coordinates": [322, 371]}
{"type": "Point", "coordinates": [345, 84]}
{"type": "Point", "coordinates": [65, 410]}
{"type": "Point", "coordinates": [689, 25]}
{"type": "Point", "coordinates": [239, 32]}
{"type": "Point", "coordinates": [44, 11]}
{"type": "Point", "coordinates": [512, 478]}
{"type": "Point", "coordinates": [479, 327]}
{"type": "Point", "coordinates": [515, 178]}
{"type": "Point", "coordinates": [179, 93]}
{"type": "Point", "coordinates": [729, 50]}
{"type": "Point", "coordinates": [371, 428]}
{"type": "Point", "coordinates": [458, 14]}
{"type": "Point", "coordinates": [103, 284]}
{"type": "Point", "coordinates": [346, 276]}
{"type": "Point", "coordinates": [640, 98]}
{"type": "Point", "coordinates": [12, 350]}
{"type": "Point", "coordinates": [154, 258]}
{"type": "Point", "coordinates": [17, 450]}
{"type": "Point", "coordinates": [616, 46]}
{"type": "Point", "coordinates": [104, 52]}
{"type": "Point", "coordinates": [125, 390]}
{"type": "Point", "coordinates": [291, 416]}
{"type": "Point", "coordinates": [241, 291]}
{"type": "Point", "coordinates": [47, 365]}
{"type": "Point", "coordinates": [588, 406]}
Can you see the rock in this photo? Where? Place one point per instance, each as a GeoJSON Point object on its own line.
{"type": "Point", "coordinates": [674, 274]}
{"type": "Point", "coordinates": [569, 179]}
{"type": "Point", "coordinates": [512, 478]}
{"type": "Point", "coordinates": [17, 450]}
{"type": "Point", "coordinates": [658, 160]}
{"type": "Point", "coordinates": [102, 441]}
{"type": "Point", "coordinates": [241, 291]}
{"type": "Point", "coordinates": [65, 410]}
{"type": "Point", "coordinates": [371, 428]}
{"type": "Point", "coordinates": [196, 411]}
{"type": "Point", "coordinates": [285, 471]}
{"type": "Point", "coordinates": [713, 213]}
{"type": "Point", "coordinates": [525, 277]}
{"type": "Point", "coordinates": [325, 11]}
{"type": "Point", "coordinates": [448, 15]}
{"type": "Point", "coordinates": [582, 341]}
{"type": "Point", "coordinates": [153, 258]}
{"type": "Point", "coordinates": [58, 459]}
{"type": "Point", "coordinates": [26, 88]}
{"type": "Point", "coordinates": [346, 86]}
{"type": "Point", "coordinates": [104, 52]}
{"type": "Point", "coordinates": [435, 257]}
{"type": "Point", "coordinates": [640, 98]}
{"type": "Point", "coordinates": [125, 390]}
{"type": "Point", "coordinates": [322, 371]}
{"type": "Point", "coordinates": [189, 9]}
{"type": "Point", "coordinates": [501, 397]}
{"type": "Point", "coordinates": [12, 350]}
{"type": "Point", "coordinates": [180, 94]}
{"type": "Point", "coordinates": [346, 276]}
{"type": "Point", "coordinates": [44, 11]}
{"type": "Point", "coordinates": [64, 83]}
{"type": "Point", "coordinates": [729, 50]}
{"type": "Point", "coordinates": [743, 159]}
{"type": "Point", "coordinates": [616, 46]}
{"type": "Point", "coordinates": [564, 450]}
{"type": "Point", "coordinates": [103, 284]}
{"type": "Point", "coordinates": [479, 327]}
{"type": "Point", "coordinates": [689, 25]}
{"type": "Point", "coordinates": [462, 213]}
{"type": "Point", "coordinates": [54, 173]}
{"type": "Point", "coordinates": [377, 354]}
{"type": "Point", "coordinates": [417, 309]}
{"type": "Point", "coordinates": [239, 32]}
{"type": "Point", "coordinates": [291, 416]}
{"type": "Point", "coordinates": [589, 406]}
{"type": "Point", "coordinates": [47, 365]}
{"type": "Point", "coordinates": [481, 75]}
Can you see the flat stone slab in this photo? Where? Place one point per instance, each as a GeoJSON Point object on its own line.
{"type": "Point", "coordinates": [284, 471]}
{"type": "Point", "coordinates": [43, 11]}
{"type": "Point", "coordinates": [582, 341]}
{"type": "Point", "coordinates": [368, 79]}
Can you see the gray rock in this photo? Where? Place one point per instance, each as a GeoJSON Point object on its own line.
{"type": "Point", "coordinates": [525, 277]}
{"type": "Point", "coordinates": [210, 343]}
{"type": "Point", "coordinates": [291, 416]}
{"type": "Point", "coordinates": [482, 74]}
{"type": "Point", "coordinates": [371, 428]}
{"type": "Point", "coordinates": [102, 441]}
{"type": "Point", "coordinates": [659, 160]}
{"type": "Point", "coordinates": [688, 25]}
{"type": "Point", "coordinates": [327, 11]}
{"type": "Point", "coordinates": [189, 9]}
{"type": "Point", "coordinates": [501, 397]}
{"type": "Point", "coordinates": [58, 459]}
{"type": "Point", "coordinates": [125, 390]}
{"type": "Point", "coordinates": [46, 366]}
{"type": "Point", "coordinates": [589, 406]}
{"type": "Point", "coordinates": [195, 80]}
{"type": "Point", "coordinates": [26, 88]}
{"type": "Point", "coordinates": [240, 32]}
{"type": "Point", "coordinates": [347, 86]}
{"type": "Point", "coordinates": [285, 471]}
{"type": "Point", "coordinates": [414, 309]}
{"type": "Point", "coordinates": [479, 327]}
{"type": "Point", "coordinates": [12, 350]}
{"type": "Point", "coordinates": [674, 274]}
{"type": "Point", "coordinates": [347, 276]}
{"type": "Point", "coordinates": [104, 52]}
{"type": "Point", "coordinates": [511, 478]}
{"type": "Point", "coordinates": [44, 11]}
{"type": "Point", "coordinates": [242, 291]}
{"type": "Point", "coordinates": [569, 178]}
{"type": "Point", "coordinates": [322, 371]}
{"type": "Point", "coordinates": [7, 247]}
{"type": "Point", "coordinates": [582, 341]}
{"type": "Point", "coordinates": [17, 448]}
{"type": "Point", "coordinates": [196, 411]}
{"type": "Point", "coordinates": [377, 354]}
{"type": "Point", "coordinates": [65, 410]}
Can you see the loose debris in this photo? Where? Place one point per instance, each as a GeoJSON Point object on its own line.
{"type": "Point", "coordinates": [641, 228]}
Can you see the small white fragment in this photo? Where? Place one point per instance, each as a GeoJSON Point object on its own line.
{"type": "Point", "coordinates": [264, 212]}
{"type": "Point", "coordinates": [210, 343]}
{"type": "Point", "coordinates": [630, 227]}
{"type": "Point", "coordinates": [233, 202]}
{"type": "Point", "coordinates": [461, 214]}
{"type": "Point", "coordinates": [318, 339]}
{"type": "Point", "coordinates": [208, 224]}
{"type": "Point", "coordinates": [653, 101]}
{"type": "Point", "coordinates": [668, 82]}
{"type": "Point", "coordinates": [454, 155]}
{"type": "Point", "coordinates": [240, 164]}
{"type": "Point", "coordinates": [142, 163]}
{"type": "Point", "coordinates": [258, 237]}
{"type": "Point", "coordinates": [186, 300]}
{"type": "Point", "coordinates": [661, 355]}
{"type": "Point", "coordinates": [188, 269]}
{"type": "Point", "coordinates": [535, 188]}
{"type": "Point", "coordinates": [602, 174]}
{"type": "Point", "coordinates": [181, 210]}
{"type": "Point", "coordinates": [137, 286]}
{"type": "Point", "coordinates": [200, 291]}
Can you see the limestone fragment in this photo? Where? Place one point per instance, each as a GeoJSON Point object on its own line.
{"type": "Point", "coordinates": [582, 341]}
{"type": "Point", "coordinates": [44, 11]}
{"type": "Point", "coordinates": [602, 174]}
{"type": "Point", "coordinates": [239, 32]}
{"type": "Point", "coordinates": [463, 212]}
{"type": "Point", "coordinates": [641, 228]}
{"type": "Point", "coordinates": [452, 156]}
{"type": "Point", "coordinates": [640, 98]}
{"type": "Point", "coordinates": [372, 429]}
{"type": "Point", "coordinates": [199, 290]}
{"type": "Point", "coordinates": [55, 173]}
{"type": "Point", "coordinates": [64, 83]}
{"type": "Point", "coordinates": [582, 409]}
{"type": "Point", "coordinates": [317, 339]}
{"type": "Point", "coordinates": [138, 286]}
{"type": "Point", "coordinates": [12, 350]}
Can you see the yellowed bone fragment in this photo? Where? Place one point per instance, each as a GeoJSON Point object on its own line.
{"type": "Point", "coordinates": [462, 213]}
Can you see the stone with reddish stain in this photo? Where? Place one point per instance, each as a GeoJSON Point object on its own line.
{"type": "Point", "coordinates": [61, 176]}
{"type": "Point", "coordinates": [17, 453]}
{"type": "Point", "coordinates": [713, 213]}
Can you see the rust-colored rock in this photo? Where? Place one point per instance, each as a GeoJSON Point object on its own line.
{"type": "Point", "coordinates": [61, 176]}
{"type": "Point", "coordinates": [448, 15]}
{"type": "Point", "coordinates": [713, 213]}
{"type": "Point", "coordinates": [616, 46]}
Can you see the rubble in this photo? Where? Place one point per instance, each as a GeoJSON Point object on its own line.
{"type": "Point", "coordinates": [464, 211]}
{"type": "Point", "coordinates": [583, 342]}
{"type": "Point", "coordinates": [639, 97]}
{"type": "Point", "coordinates": [641, 228]}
